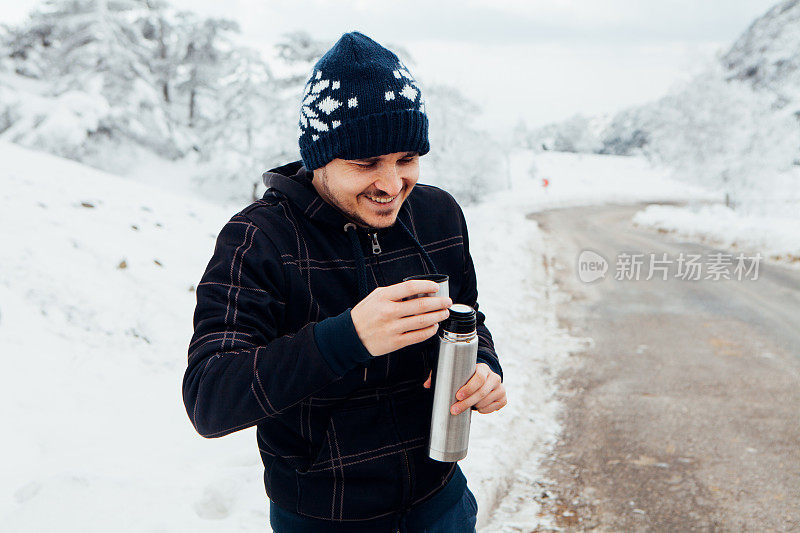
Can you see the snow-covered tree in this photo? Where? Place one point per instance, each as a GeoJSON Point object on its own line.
{"type": "Point", "coordinates": [579, 133]}
{"type": "Point", "coordinates": [96, 48]}
{"type": "Point", "coordinates": [23, 50]}
{"type": "Point", "coordinates": [628, 132]}
{"type": "Point", "coordinates": [298, 51]}
{"type": "Point", "coordinates": [99, 80]}
{"type": "Point", "coordinates": [520, 135]}
{"type": "Point", "coordinates": [125, 72]}
{"type": "Point", "coordinates": [166, 45]}
{"type": "Point", "coordinates": [726, 135]}
{"type": "Point", "coordinates": [463, 159]}
{"type": "Point", "coordinates": [249, 129]}
{"type": "Point", "coordinates": [207, 53]}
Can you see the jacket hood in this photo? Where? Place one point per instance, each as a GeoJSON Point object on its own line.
{"type": "Point", "coordinates": [294, 181]}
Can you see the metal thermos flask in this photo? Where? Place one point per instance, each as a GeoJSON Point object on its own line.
{"type": "Point", "coordinates": [458, 354]}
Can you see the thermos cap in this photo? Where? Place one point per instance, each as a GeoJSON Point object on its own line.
{"type": "Point", "coordinates": [461, 320]}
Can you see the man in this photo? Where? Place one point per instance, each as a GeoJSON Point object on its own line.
{"type": "Point", "coordinates": [301, 328]}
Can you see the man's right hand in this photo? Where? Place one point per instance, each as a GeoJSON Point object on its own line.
{"type": "Point", "coordinates": [385, 323]}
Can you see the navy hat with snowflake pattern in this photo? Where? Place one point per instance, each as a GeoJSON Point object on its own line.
{"type": "Point", "coordinates": [360, 101]}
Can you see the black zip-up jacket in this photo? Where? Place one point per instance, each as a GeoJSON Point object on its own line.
{"type": "Point", "coordinates": [343, 435]}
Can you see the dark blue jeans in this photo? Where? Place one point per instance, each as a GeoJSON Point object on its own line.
{"type": "Point", "coordinates": [461, 518]}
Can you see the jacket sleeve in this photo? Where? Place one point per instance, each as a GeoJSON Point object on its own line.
{"type": "Point", "coordinates": [239, 369]}
{"type": "Point", "coordinates": [469, 295]}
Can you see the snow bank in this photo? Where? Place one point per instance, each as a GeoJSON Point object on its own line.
{"type": "Point", "coordinates": [515, 293]}
{"type": "Point", "coordinates": [95, 318]}
{"type": "Point", "coordinates": [776, 237]}
{"type": "Point", "coordinates": [590, 179]}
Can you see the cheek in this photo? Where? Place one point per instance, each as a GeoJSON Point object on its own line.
{"type": "Point", "coordinates": [410, 181]}
{"type": "Point", "coordinates": [352, 187]}
{"type": "Point", "coordinates": [412, 174]}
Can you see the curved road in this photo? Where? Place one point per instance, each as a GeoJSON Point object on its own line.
{"type": "Point", "coordinates": [685, 413]}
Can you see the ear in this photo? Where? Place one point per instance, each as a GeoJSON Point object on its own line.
{"type": "Point", "coordinates": [321, 172]}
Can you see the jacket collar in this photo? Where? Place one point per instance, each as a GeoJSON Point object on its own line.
{"type": "Point", "coordinates": [294, 181]}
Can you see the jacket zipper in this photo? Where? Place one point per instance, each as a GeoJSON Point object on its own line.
{"type": "Point", "coordinates": [376, 249]}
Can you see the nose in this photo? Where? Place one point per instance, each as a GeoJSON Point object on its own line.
{"type": "Point", "coordinates": [389, 182]}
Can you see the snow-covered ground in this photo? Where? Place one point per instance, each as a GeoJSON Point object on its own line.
{"type": "Point", "coordinates": [591, 179]}
{"type": "Point", "coordinates": [766, 225]}
{"type": "Point", "coordinates": [96, 303]}
{"type": "Point", "coordinates": [776, 237]}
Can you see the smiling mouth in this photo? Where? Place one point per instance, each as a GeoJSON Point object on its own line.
{"type": "Point", "coordinates": [381, 201]}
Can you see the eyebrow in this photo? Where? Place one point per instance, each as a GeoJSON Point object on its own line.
{"type": "Point", "coordinates": [376, 158]}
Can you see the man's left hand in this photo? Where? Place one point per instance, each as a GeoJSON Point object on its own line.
{"type": "Point", "coordinates": [483, 390]}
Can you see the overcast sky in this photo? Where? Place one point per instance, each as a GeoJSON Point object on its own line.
{"type": "Point", "coordinates": [540, 60]}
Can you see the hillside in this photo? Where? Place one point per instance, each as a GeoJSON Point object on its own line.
{"type": "Point", "coordinates": [96, 303]}
{"type": "Point", "coordinates": [766, 54]}
{"type": "Point", "coordinates": [735, 127]}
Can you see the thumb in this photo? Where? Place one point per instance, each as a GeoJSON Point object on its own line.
{"type": "Point", "coordinates": [427, 383]}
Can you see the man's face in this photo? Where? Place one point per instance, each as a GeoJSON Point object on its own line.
{"type": "Point", "coordinates": [355, 186]}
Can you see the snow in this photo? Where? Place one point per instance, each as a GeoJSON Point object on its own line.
{"type": "Point", "coordinates": [96, 289]}
{"type": "Point", "coordinates": [731, 127]}
{"type": "Point", "coordinates": [61, 122]}
{"type": "Point", "coordinates": [776, 237]}
{"type": "Point", "coordinates": [590, 179]}
{"type": "Point", "coordinates": [99, 436]}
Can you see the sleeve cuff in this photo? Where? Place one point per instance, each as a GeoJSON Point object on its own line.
{"type": "Point", "coordinates": [493, 364]}
{"type": "Point", "coordinates": [339, 343]}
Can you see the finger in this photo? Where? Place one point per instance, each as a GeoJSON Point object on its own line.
{"type": "Point", "coordinates": [417, 335]}
{"type": "Point", "coordinates": [474, 398]}
{"type": "Point", "coordinates": [493, 407]}
{"type": "Point", "coordinates": [496, 394]}
{"type": "Point", "coordinates": [411, 323]}
{"type": "Point", "coordinates": [475, 382]}
{"type": "Point", "coordinates": [427, 383]}
{"type": "Point", "coordinates": [481, 369]}
{"type": "Point", "coordinates": [398, 291]}
{"type": "Point", "coordinates": [424, 304]}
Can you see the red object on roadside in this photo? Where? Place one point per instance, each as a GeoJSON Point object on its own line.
{"type": "Point", "coordinates": [545, 182]}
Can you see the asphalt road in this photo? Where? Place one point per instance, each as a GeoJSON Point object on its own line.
{"type": "Point", "coordinates": [685, 413]}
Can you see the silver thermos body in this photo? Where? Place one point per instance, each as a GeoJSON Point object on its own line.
{"type": "Point", "coordinates": [458, 353]}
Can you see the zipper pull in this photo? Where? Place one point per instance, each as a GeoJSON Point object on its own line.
{"type": "Point", "coordinates": [376, 248]}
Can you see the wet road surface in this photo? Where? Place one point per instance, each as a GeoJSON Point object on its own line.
{"type": "Point", "coordinates": [684, 415]}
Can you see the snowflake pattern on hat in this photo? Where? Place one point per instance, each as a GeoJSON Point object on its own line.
{"type": "Point", "coordinates": [323, 101]}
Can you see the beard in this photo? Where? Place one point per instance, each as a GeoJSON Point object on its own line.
{"type": "Point", "coordinates": [330, 197]}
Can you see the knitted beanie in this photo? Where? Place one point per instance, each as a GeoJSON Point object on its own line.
{"type": "Point", "coordinates": [360, 101]}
